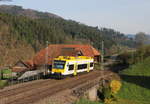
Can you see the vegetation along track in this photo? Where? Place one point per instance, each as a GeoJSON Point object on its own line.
{"type": "Point", "coordinates": [45, 89]}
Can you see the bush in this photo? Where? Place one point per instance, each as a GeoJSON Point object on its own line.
{"type": "Point", "coordinates": [115, 86]}
{"type": "Point", "coordinates": [3, 83]}
{"type": "Point", "coordinates": [132, 57]}
{"type": "Point", "coordinates": [108, 92]}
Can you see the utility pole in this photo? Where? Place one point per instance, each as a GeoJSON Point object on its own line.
{"type": "Point", "coordinates": [102, 55]}
{"type": "Point", "coordinates": [46, 57]}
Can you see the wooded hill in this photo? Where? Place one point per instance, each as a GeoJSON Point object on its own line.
{"type": "Point", "coordinates": [19, 32]}
{"type": "Point", "coordinates": [18, 10]}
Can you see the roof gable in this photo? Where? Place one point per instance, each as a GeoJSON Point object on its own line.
{"type": "Point", "coordinates": [55, 50]}
{"type": "Point", "coordinates": [21, 64]}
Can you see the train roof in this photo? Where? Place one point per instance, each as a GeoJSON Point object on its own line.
{"type": "Point", "coordinates": [67, 58]}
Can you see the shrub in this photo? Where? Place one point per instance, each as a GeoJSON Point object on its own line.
{"type": "Point", "coordinates": [107, 101]}
{"type": "Point", "coordinates": [115, 86]}
{"type": "Point", "coordinates": [109, 92]}
{"type": "Point", "coordinates": [3, 83]}
{"type": "Point", "coordinates": [132, 57]}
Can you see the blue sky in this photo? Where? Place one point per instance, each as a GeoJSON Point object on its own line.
{"type": "Point", "coordinates": [127, 16]}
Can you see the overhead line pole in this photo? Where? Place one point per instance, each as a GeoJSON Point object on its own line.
{"type": "Point", "coordinates": [102, 55]}
{"type": "Point", "coordinates": [46, 57]}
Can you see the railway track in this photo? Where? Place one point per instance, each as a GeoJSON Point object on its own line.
{"type": "Point", "coordinates": [24, 88]}
{"type": "Point", "coordinates": [30, 94]}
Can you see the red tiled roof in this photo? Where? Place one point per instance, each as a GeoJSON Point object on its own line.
{"type": "Point", "coordinates": [30, 63]}
{"type": "Point", "coordinates": [53, 51]}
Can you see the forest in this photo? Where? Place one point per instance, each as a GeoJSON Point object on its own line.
{"type": "Point", "coordinates": [19, 32]}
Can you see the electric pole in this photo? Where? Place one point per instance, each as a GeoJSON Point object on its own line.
{"type": "Point", "coordinates": [102, 55]}
{"type": "Point", "coordinates": [46, 57]}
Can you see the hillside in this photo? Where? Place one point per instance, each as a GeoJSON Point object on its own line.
{"type": "Point", "coordinates": [19, 11]}
{"type": "Point", "coordinates": [136, 87]}
{"type": "Point", "coordinates": [70, 27]}
{"type": "Point", "coordinates": [12, 49]}
{"type": "Point", "coordinates": [132, 36]}
{"type": "Point", "coordinates": [26, 31]}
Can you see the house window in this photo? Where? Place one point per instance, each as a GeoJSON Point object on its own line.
{"type": "Point", "coordinates": [71, 67]}
{"type": "Point", "coordinates": [82, 66]}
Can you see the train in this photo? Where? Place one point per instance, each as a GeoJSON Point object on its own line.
{"type": "Point", "coordinates": [71, 66]}
{"type": "Point", "coordinates": [62, 67]}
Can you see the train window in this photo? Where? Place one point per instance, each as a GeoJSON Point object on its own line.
{"type": "Point", "coordinates": [91, 64]}
{"type": "Point", "coordinates": [71, 67]}
{"type": "Point", "coordinates": [82, 66]}
{"type": "Point", "coordinates": [59, 64]}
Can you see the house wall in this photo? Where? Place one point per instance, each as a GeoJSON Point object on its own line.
{"type": "Point", "coordinates": [96, 59]}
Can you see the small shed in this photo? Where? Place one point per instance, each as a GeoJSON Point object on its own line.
{"type": "Point", "coordinates": [21, 66]}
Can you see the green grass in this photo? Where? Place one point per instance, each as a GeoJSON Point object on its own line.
{"type": "Point", "coordinates": [136, 83]}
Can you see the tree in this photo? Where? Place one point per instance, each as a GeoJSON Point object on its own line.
{"type": "Point", "coordinates": [140, 39]}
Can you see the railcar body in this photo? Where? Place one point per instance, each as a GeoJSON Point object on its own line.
{"type": "Point", "coordinates": [67, 65]}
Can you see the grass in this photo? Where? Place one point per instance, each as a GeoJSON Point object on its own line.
{"type": "Point", "coordinates": [136, 83]}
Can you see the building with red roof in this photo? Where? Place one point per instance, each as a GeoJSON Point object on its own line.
{"type": "Point", "coordinates": [46, 56]}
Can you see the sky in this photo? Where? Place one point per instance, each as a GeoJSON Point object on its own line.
{"type": "Point", "coordinates": [126, 16]}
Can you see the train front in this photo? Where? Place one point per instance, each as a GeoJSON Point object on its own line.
{"type": "Point", "coordinates": [58, 68]}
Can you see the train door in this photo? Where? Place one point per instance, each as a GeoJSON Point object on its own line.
{"type": "Point", "coordinates": [75, 69]}
{"type": "Point", "coordinates": [88, 67]}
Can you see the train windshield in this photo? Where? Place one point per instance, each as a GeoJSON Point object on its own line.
{"type": "Point", "coordinates": [59, 64]}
